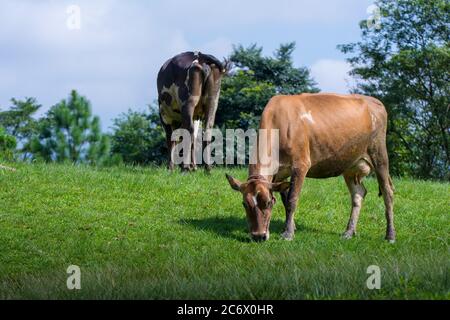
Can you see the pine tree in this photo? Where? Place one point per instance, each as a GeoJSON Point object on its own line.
{"type": "Point", "coordinates": [70, 133]}
{"type": "Point", "coordinates": [20, 123]}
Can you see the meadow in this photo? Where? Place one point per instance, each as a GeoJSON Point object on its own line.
{"type": "Point", "coordinates": [147, 233]}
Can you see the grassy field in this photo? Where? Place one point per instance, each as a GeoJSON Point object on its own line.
{"type": "Point", "coordinates": [150, 234]}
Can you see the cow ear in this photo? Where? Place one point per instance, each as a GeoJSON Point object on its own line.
{"type": "Point", "coordinates": [234, 183]}
{"type": "Point", "coordinates": [281, 186]}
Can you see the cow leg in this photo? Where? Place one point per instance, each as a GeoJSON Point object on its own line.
{"type": "Point", "coordinates": [170, 147]}
{"type": "Point", "coordinates": [170, 144]}
{"type": "Point", "coordinates": [380, 161]}
{"type": "Point", "coordinates": [194, 84]}
{"type": "Point", "coordinates": [290, 202]}
{"type": "Point", "coordinates": [284, 198]}
{"type": "Point", "coordinates": [187, 115]}
{"type": "Point", "coordinates": [197, 128]}
{"type": "Point", "coordinates": [358, 193]}
{"type": "Point", "coordinates": [193, 166]}
{"type": "Point", "coordinates": [385, 183]}
{"type": "Point", "coordinates": [209, 124]}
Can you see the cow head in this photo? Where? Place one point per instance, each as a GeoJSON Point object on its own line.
{"type": "Point", "coordinates": [258, 201]}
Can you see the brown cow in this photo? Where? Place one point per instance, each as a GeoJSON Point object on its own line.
{"type": "Point", "coordinates": [321, 136]}
{"type": "Point", "coordinates": [188, 92]}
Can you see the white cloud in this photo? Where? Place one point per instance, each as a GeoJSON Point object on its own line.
{"type": "Point", "coordinates": [332, 75]}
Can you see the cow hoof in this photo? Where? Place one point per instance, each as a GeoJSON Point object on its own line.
{"type": "Point", "coordinates": [348, 235]}
{"type": "Point", "coordinates": [390, 240]}
{"type": "Point", "coordinates": [390, 236]}
{"type": "Point", "coordinates": [288, 236]}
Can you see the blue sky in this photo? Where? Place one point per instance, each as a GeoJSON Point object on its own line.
{"type": "Point", "coordinates": [115, 56]}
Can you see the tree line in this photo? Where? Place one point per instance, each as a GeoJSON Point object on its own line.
{"type": "Point", "coordinates": [403, 60]}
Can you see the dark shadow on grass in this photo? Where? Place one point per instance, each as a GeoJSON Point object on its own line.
{"type": "Point", "coordinates": [236, 228]}
{"type": "Point", "coordinates": [226, 227]}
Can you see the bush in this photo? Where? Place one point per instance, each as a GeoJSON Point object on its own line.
{"type": "Point", "coordinates": [8, 145]}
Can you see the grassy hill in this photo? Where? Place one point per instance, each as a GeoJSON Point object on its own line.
{"type": "Point", "coordinates": [147, 233]}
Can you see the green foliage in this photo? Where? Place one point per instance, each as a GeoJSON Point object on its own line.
{"type": "Point", "coordinates": [150, 234]}
{"type": "Point", "coordinates": [69, 133]}
{"type": "Point", "coordinates": [256, 79]}
{"type": "Point", "coordinates": [405, 64]}
{"type": "Point", "coordinates": [7, 145]}
{"type": "Point", "coordinates": [138, 138]}
{"type": "Point", "coordinates": [243, 100]}
{"type": "Point", "coordinates": [278, 70]}
{"type": "Point", "coordinates": [20, 123]}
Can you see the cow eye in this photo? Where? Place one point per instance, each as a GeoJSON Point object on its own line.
{"type": "Point", "coordinates": [245, 204]}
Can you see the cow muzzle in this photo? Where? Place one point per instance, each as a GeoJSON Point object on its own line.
{"type": "Point", "coordinates": [260, 237]}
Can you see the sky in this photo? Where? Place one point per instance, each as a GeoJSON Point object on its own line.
{"type": "Point", "coordinates": [112, 51]}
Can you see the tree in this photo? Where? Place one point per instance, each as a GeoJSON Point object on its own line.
{"type": "Point", "coordinates": [139, 138]}
{"type": "Point", "coordinates": [278, 70]}
{"type": "Point", "coordinates": [20, 123]}
{"type": "Point", "coordinates": [69, 132]}
{"type": "Point", "coordinates": [7, 145]}
{"type": "Point", "coordinates": [403, 61]}
{"type": "Point", "coordinates": [255, 80]}
{"type": "Point", "coordinates": [242, 100]}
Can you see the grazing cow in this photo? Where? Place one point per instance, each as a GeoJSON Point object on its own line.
{"type": "Point", "coordinates": [189, 90]}
{"type": "Point", "coordinates": [321, 136]}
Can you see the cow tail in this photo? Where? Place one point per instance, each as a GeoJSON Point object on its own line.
{"type": "Point", "coordinates": [206, 72]}
{"type": "Point", "coordinates": [203, 67]}
{"type": "Point", "coordinates": [209, 59]}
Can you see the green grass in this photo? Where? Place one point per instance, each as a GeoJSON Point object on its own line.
{"type": "Point", "coordinates": [150, 234]}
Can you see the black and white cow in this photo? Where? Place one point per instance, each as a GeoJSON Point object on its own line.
{"type": "Point", "coordinates": [188, 91]}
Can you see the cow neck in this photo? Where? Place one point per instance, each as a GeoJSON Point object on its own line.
{"type": "Point", "coordinates": [255, 175]}
{"type": "Point", "coordinates": [255, 171]}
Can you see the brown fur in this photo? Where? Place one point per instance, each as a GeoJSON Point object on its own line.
{"type": "Point", "coordinates": [322, 136]}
